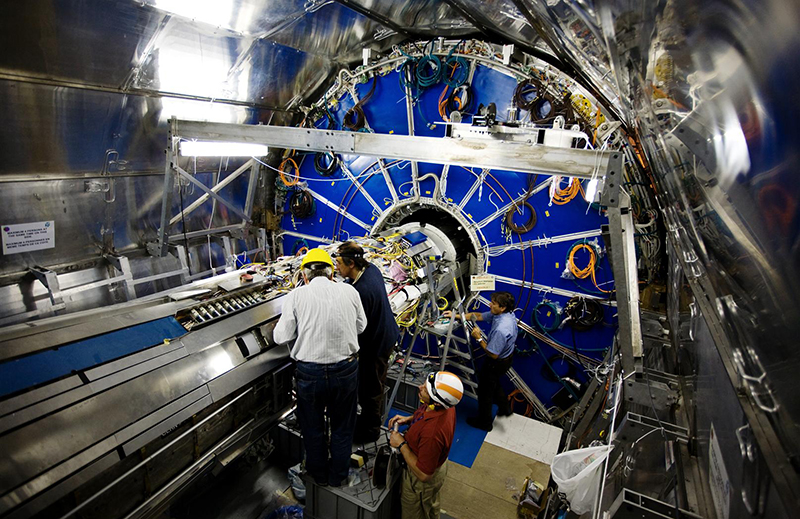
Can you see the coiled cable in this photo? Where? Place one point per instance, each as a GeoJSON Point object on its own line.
{"type": "Point", "coordinates": [458, 71]}
{"type": "Point", "coordinates": [583, 313]}
{"type": "Point", "coordinates": [527, 226]}
{"type": "Point", "coordinates": [527, 94]}
{"type": "Point", "coordinates": [428, 71]}
{"type": "Point", "coordinates": [283, 168]}
{"type": "Point", "coordinates": [591, 265]}
{"type": "Point", "coordinates": [552, 309]}
{"type": "Point", "coordinates": [301, 204]}
{"type": "Point", "coordinates": [355, 119]}
{"type": "Point", "coordinates": [325, 162]}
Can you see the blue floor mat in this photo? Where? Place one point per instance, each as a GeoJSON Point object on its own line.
{"type": "Point", "coordinates": [467, 440]}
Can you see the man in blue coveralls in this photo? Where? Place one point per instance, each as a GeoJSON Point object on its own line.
{"type": "Point", "coordinates": [375, 343]}
{"type": "Point", "coordinates": [499, 348]}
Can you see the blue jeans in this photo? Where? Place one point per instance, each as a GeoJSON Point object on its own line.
{"type": "Point", "coordinates": [327, 390]}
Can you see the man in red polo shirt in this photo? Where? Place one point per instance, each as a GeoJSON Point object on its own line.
{"type": "Point", "coordinates": [426, 444]}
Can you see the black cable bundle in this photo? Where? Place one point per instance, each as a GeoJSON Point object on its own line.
{"type": "Point", "coordinates": [583, 313]}
{"type": "Point", "coordinates": [301, 204]}
{"type": "Point", "coordinates": [524, 90]}
{"type": "Point", "coordinates": [325, 163]}
{"type": "Point", "coordinates": [355, 119]}
{"type": "Point", "coordinates": [532, 96]}
{"type": "Point", "coordinates": [527, 226]}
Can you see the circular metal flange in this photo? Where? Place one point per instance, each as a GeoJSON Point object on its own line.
{"type": "Point", "coordinates": [396, 213]}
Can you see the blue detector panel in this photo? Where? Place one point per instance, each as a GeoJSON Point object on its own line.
{"type": "Point", "coordinates": [480, 196]}
{"type": "Point", "coordinates": [26, 372]}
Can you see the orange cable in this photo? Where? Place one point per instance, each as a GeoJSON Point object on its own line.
{"type": "Point", "coordinates": [296, 178]}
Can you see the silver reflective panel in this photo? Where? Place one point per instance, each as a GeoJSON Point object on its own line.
{"type": "Point", "coordinates": [418, 16]}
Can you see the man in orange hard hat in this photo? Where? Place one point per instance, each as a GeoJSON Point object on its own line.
{"type": "Point", "coordinates": [426, 444]}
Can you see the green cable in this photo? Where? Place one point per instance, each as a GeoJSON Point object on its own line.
{"type": "Point", "coordinates": [556, 320]}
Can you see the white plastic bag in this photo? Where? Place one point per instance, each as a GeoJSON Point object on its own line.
{"type": "Point", "coordinates": [577, 474]}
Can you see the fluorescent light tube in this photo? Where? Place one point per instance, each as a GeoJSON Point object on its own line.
{"type": "Point", "coordinates": [222, 149]}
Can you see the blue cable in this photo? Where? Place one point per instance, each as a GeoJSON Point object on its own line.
{"type": "Point", "coordinates": [556, 320]}
{"type": "Point", "coordinates": [460, 71]}
{"type": "Point", "coordinates": [433, 74]}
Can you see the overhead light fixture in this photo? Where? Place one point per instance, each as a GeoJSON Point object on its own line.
{"type": "Point", "coordinates": [222, 149]}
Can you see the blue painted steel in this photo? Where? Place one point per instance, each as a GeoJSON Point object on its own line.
{"type": "Point", "coordinates": [386, 113]}
{"type": "Point", "coordinates": [30, 371]}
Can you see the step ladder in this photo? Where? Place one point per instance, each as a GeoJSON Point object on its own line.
{"type": "Point", "coordinates": [460, 347]}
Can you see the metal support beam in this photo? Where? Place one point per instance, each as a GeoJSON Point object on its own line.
{"type": "Point", "coordinates": [231, 229]}
{"type": "Point", "coordinates": [338, 209]}
{"type": "Point", "coordinates": [216, 189]}
{"type": "Point", "coordinates": [159, 248]}
{"type": "Point", "coordinates": [470, 192]}
{"type": "Point", "coordinates": [360, 188]}
{"type": "Point", "coordinates": [547, 289]}
{"type": "Point", "coordinates": [212, 194]}
{"type": "Point", "coordinates": [304, 236]}
{"type": "Point", "coordinates": [542, 242]}
{"type": "Point", "coordinates": [251, 191]}
{"type": "Point", "coordinates": [622, 255]}
{"type": "Point", "coordinates": [123, 265]}
{"type": "Point", "coordinates": [49, 279]}
{"type": "Point", "coordinates": [410, 118]}
{"type": "Point", "coordinates": [634, 426]}
{"type": "Point", "coordinates": [529, 395]}
{"type": "Point", "coordinates": [480, 153]}
{"type": "Point", "coordinates": [632, 505]}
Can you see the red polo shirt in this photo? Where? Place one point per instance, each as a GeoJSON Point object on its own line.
{"type": "Point", "coordinates": [430, 437]}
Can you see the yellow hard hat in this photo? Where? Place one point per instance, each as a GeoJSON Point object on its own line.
{"type": "Point", "coordinates": [317, 256]}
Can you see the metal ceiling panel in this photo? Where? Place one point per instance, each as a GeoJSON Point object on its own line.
{"type": "Point", "coordinates": [335, 31]}
{"type": "Point", "coordinates": [499, 18]}
{"type": "Point", "coordinates": [90, 41]}
{"type": "Point", "coordinates": [568, 29]}
{"type": "Point", "coordinates": [253, 18]}
{"type": "Point", "coordinates": [51, 130]}
{"type": "Point", "coordinates": [195, 60]}
{"type": "Point", "coordinates": [282, 76]}
{"type": "Point", "coordinates": [419, 16]}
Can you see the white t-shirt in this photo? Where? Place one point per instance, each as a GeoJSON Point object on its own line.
{"type": "Point", "coordinates": [325, 317]}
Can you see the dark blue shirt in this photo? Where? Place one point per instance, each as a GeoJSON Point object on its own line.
{"type": "Point", "coordinates": [381, 333]}
{"type": "Point", "coordinates": [503, 334]}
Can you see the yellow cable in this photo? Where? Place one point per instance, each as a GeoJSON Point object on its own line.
{"type": "Point", "coordinates": [589, 269]}
{"type": "Point", "coordinates": [563, 196]}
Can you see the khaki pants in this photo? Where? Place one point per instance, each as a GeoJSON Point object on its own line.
{"type": "Point", "coordinates": [421, 500]}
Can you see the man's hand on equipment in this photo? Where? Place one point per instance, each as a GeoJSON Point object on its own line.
{"type": "Point", "coordinates": [396, 439]}
{"type": "Point", "coordinates": [449, 314]}
{"type": "Point", "coordinates": [399, 420]}
{"type": "Point", "coordinates": [476, 333]}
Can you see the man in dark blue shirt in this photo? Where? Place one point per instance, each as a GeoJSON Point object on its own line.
{"type": "Point", "coordinates": [499, 346]}
{"type": "Point", "coordinates": [375, 343]}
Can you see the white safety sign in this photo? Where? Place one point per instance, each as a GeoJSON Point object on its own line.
{"type": "Point", "coordinates": [482, 282]}
{"type": "Point", "coordinates": [25, 237]}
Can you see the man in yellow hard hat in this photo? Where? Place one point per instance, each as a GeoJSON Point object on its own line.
{"type": "Point", "coordinates": [325, 318]}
